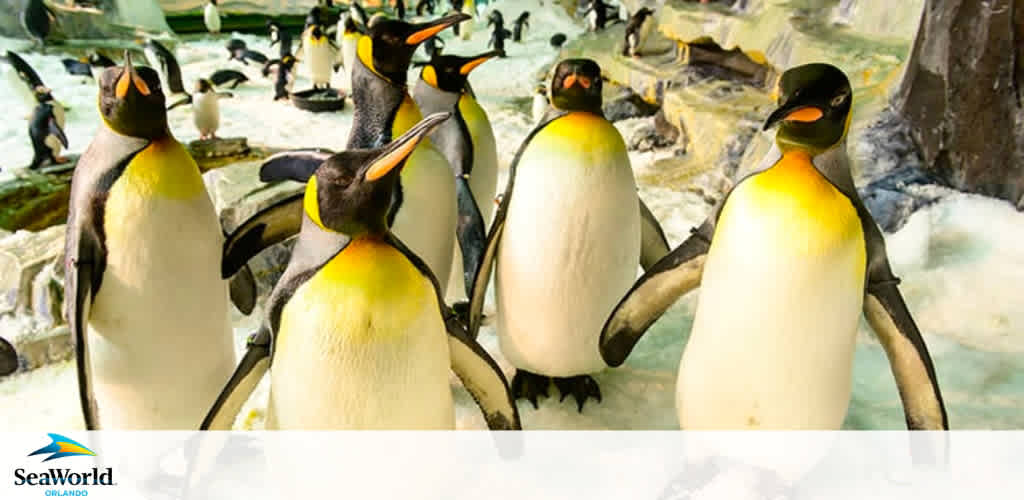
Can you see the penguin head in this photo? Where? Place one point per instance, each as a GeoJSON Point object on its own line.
{"type": "Point", "coordinates": [213, 2]}
{"type": "Point", "coordinates": [450, 73]}
{"type": "Point", "coordinates": [316, 32]}
{"type": "Point", "coordinates": [576, 86]}
{"type": "Point", "coordinates": [274, 28]}
{"type": "Point", "coordinates": [131, 101]}
{"type": "Point", "coordinates": [352, 191]}
{"type": "Point", "coordinates": [42, 94]}
{"type": "Point", "coordinates": [643, 13]}
{"type": "Point", "coordinates": [388, 48]}
{"type": "Point", "coordinates": [203, 86]}
{"type": "Point", "coordinates": [814, 108]}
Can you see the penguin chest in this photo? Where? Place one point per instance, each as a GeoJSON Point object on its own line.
{"type": "Point", "coordinates": [361, 345]}
{"type": "Point", "coordinates": [318, 53]}
{"type": "Point", "coordinates": [570, 247]}
{"type": "Point", "coordinates": [780, 300]}
{"type": "Point", "coordinates": [211, 17]}
{"type": "Point", "coordinates": [206, 112]}
{"type": "Point", "coordinates": [162, 304]}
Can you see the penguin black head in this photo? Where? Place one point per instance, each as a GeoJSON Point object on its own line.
{"type": "Point", "coordinates": [576, 86]}
{"type": "Point", "coordinates": [643, 13]}
{"type": "Point", "coordinates": [450, 73]}
{"type": "Point", "coordinates": [389, 47]}
{"type": "Point", "coordinates": [352, 191]}
{"type": "Point", "coordinates": [523, 17]}
{"type": "Point", "coordinates": [814, 108]}
{"type": "Point", "coordinates": [213, 2]}
{"type": "Point", "coordinates": [203, 86]}
{"type": "Point", "coordinates": [42, 94]}
{"type": "Point", "coordinates": [131, 101]}
{"type": "Point", "coordinates": [317, 32]}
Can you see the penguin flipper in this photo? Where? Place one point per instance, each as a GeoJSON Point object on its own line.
{"type": "Point", "coordinates": [653, 244]}
{"type": "Point", "coordinates": [267, 227]}
{"type": "Point", "coordinates": [80, 276]}
{"type": "Point", "coordinates": [471, 232]}
{"type": "Point", "coordinates": [911, 364]}
{"type": "Point", "coordinates": [242, 383]}
{"type": "Point", "coordinates": [243, 292]}
{"type": "Point", "coordinates": [184, 100]}
{"type": "Point", "coordinates": [670, 278]}
{"type": "Point", "coordinates": [477, 370]}
{"type": "Point", "coordinates": [296, 166]}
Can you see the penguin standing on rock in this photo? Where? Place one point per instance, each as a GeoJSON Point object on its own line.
{"type": "Point", "coordinates": [424, 214]}
{"type": "Point", "coordinates": [558, 279]}
{"type": "Point", "coordinates": [145, 302]}
{"type": "Point", "coordinates": [46, 130]}
{"type": "Point", "coordinates": [359, 335]}
{"type": "Point", "coordinates": [37, 19]}
{"type": "Point", "coordinates": [637, 29]}
{"type": "Point", "coordinates": [467, 141]}
{"type": "Point", "coordinates": [787, 263]}
{"type": "Point", "coordinates": [205, 108]}
{"type": "Point", "coordinates": [211, 17]}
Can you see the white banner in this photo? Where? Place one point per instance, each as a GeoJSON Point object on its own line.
{"type": "Point", "coordinates": [525, 465]}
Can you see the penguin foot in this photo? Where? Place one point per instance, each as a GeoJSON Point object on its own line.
{"type": "Point", "coordinates": [529, 385]}
{"type": "Point", "coordinates": [61, 159]}
{"type": "Point", "coordinates": [581, 388]}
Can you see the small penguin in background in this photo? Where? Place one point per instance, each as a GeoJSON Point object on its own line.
{"type": "Point", "coordinates": [8, 358]}
{"type": "Point", "coordinates": [557, 40]}
{"type": "Point", "coordinates": [637, 30]}
{"type": "Point", "coordinates": [540, 103]}
{"type": "Point", "coordinates": [496, 19]}
{"type": "Point", "coordinates": [285, 78]}
{"type": "Point", "coordinates": [348, 40]}
{"type": "Point", "coordinates": [424, 7]}
{"type": "Point", "coordinates": [597, 15]}
{"type": "Point", "coordinates": [319, 55]}
{"type": "Point", "coordinates": [467, 141]}
{"type": "Point", "coordinates": [239, 51]}
{"type": "Point", "coordinates": [228, 78]}
{"type": "Point", "coordinates": [145, 302]}
{"type": "Point", "coordinates": [787, 263]}
{"type": "Point", "coordinates": [101, 61]}
{"type": "Point", "coordinates": [279, 35]}
{"type": "Point", "coordinates": [77, 67]}
{"type": "Point", "coordinates": [357, 334]}
{"type": "Point", "coordinates": [37, 19]}
{"type": "Point", "coordinates": [433, 47]}
{"type": "Point", "coordinates": [205, 108]}
{"type": "Point", "coordinates": [23, 80]}
{"type": "Point", "coordinates": [498, 37]}
{"type": "Point", "coordinates": [161, 59]}
{"type": "Point", "coordinates": [46, 130]}
{"type": "Point", "coordinates": [520, 26]}
{"type": "Point", "coordinates": [550, 306]}
{"type": "Point", "coordinates": [211, 17]}
{"type": "Point", "coordinates": [400, 9]}
{"type": "Point", "coordinates": [466, 28]}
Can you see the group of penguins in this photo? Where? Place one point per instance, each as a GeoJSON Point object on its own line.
{"type": "Point", "coordinates": [358, 332]}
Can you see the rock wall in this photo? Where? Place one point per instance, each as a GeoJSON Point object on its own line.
{"type": "Point", "coordinates": [961, 94]}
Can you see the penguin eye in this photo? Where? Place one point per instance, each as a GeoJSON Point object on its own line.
{"type": "Point", "coordinates": [839, 99]}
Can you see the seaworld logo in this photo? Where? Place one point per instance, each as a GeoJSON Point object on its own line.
{"type": "Point", "coordinates": [61, 447]}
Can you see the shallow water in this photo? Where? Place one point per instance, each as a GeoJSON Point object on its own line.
{"type": "Point", "coordinates": [961, 260]}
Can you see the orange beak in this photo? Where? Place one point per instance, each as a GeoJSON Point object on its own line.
{"type": "Point", "coordinates": [809, 114]}
{"type": "Point", "coordinates": [574, 79]}
{"type": "Point", "coordinates": [130, 78]}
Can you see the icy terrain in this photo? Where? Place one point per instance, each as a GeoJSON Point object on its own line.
{"type": "Point", "coordinates": [961, 260]}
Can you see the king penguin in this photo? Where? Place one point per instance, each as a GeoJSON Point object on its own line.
{"type": "Point", "coordinates": [466, 28]}
{"type": "Point", "coordinates": [319, 55]}
{"type": "Point", "coordinates": [565, 242]}
{"type": "Point", "coordinates": [425, 211]}
{"type": "Point", "coordinates": [211, 17]}
{"type": "Point", "coordinates": [467, 141]}
{"type": "Point", "coordinates": [787, 263]}
{"type": "Point", "coordinates": [348, 40]}
{"type": "Point", "coordinates": [359, 336]}
{"type": "Point", "coordinates": [145, 302]}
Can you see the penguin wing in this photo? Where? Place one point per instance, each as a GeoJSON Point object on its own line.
{"type": "Point", "coordinates": [483, 274]}
{"type": "Point", "coordinates": [85, 250]}
{"type": "Point", "coordinates": [470, 231]}
{"type": "Point", "coordinates": [663, 283]}
{"type": "Point", "coordinates": [243, 292]}
{"type": "Point", "coordinates": [269, 226]}
{"type": "Point", "coordinates": [184, 100]}
{"type": "Point", "coordinates": [653, 244]}
{"type": "Point", "coordinates": [24, 70]}
{"type": "Point", "coordinates": [296, 166]}
{"type": "Point", "coordinates": [242, 383]}
{"type": "Point", "coordinates": [477, 370]}
{"type": "Point", "coordinates": [889, 317]}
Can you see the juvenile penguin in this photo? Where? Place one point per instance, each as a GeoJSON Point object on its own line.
{"type": "Point", "coordinates": [520, 26]}
{"type": "Point", "coordinates": [145, 302]}
{"type": "Point", "coordinates": [425, 211]}
{"type": "Point", "coordinates": [46, 130]}
{"type": "Point", "coordinates": [37, 19]}
{"type": "Point", "coordinates": [467, 141]}
{"type": "Point", "coordinates": [319, 55]}
{"type": "Point", "coordinates": [787, 263]}
{"type": "Point", "coordinates": [637, 30]}
{"type": "Point", "coordinates": [211, 17]}
{"type": "Point", "coordinates": [357, 330]}
{"type": "Point", "coordinates": [565, 242]}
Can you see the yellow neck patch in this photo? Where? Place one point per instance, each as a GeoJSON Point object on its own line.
{"type": "Point", "coordinates": [165, 169]}
{"type": "Point", "coordinates": [310, 203]}
{"type": "Point", "coordinates": [429, 75]}
{"type": "Point", "coordinates": [581, 135]}
{"type": "Point", "coordinates": [364, 52]}
{"type": "Point", "coordinates": [407, 116]}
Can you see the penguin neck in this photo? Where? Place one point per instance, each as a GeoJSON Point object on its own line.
{"type": "Point", "coordinates": [431, 99]}
{"type": "Point", "coordinates": [381, 106]}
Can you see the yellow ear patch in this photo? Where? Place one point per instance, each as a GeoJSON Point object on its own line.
{"type": "Point", "coordinates": [365, 51]}
{"type": "Point", "coordinates": [311, 204]}
{"type": "Point", "coordinates": [429, 75]}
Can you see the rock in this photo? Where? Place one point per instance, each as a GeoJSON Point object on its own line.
{"type": "Point", "coordinates": [628, 104]}
{"type": "Point", "coordinates": [23, 256]}
{"type": "Point", "coordinates": [646, 138]}
{"type": "Point", "coordinates": [892, 198]}
{"type": "Point", "coordinates": [48, 294]}
{"type": "Point", "coordinates": [8, 358]}
{"type": "Point", "coordinates": [38, 348]}
{"type": "Point", "coordinates": [666, 130]}
{"type": "Point", "coordinates": [211, 154]}
{"type": "Point", "coordinates": [961, 94]}
{"type": "Point", "coordinates": [36, 200]}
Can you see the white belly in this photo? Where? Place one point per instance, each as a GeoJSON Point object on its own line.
{"type": "Point", "coordinates": [212, 19]}
{"type": "Point", "coordinates": [206, 112]}
{"type": "Point", "coordinates": [540, 106]}
{"type": "Point", "coordinates": [319, 59]}
{"type": "Point", "coordinates": [569, 252]}
{"type": "Point", "coordinates": [348, 54]}
{"type": "Point", "coordinates": [159, 332]}
{"type": "Point", "coordinates": [773, 337]}
{"type": "Point", "coordinates": [344, 361]}
{"type": "Point", "coordinates": [427, 218]}
{"type": "Point", "coordinates": [466, 27]}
